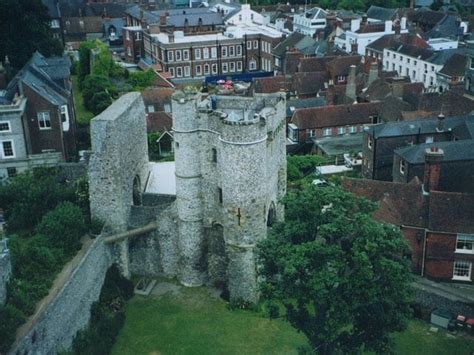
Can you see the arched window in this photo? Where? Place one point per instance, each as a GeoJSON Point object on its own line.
{"type": "Point", "coordinates": [136, 193]}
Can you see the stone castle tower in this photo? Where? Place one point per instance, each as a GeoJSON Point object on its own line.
{"type": "Point", "coordinates": [230, 176]}
{"type": "Point", "coordinates": [230, 172]}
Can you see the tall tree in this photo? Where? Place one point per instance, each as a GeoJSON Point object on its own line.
{"type": "Point", "coordinates": [340, 274]}
{"type": "Point", "coordinates": [25, 28]}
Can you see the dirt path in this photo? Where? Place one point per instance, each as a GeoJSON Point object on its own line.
{"type": "Point", "coordinates": [57, 286]}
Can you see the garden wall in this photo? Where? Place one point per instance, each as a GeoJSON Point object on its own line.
{"type": "Point", "coordinates": [69, 311]}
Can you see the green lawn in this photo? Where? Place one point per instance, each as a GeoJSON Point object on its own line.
{"type": "Point", "coordinates": [193, 322]}
{"type": "Point", "coordinates": [83, 116]}
{"type": "Point", "coordinates": [417, 339]}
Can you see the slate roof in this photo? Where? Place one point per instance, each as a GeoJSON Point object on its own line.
{"type": "Point", "coordinates": [44, 76]}
{"type": "Point", "coordinates": [289, 42]}
{"type": "Point", "coordinates": [429, 17]}
{"type": "Point", "coordinates": [424, 126]}
{"type": "Point", "coordinates": [453, 151]}
{"type": "Point", "coordinates": [73, 25]}
{"type": "Point", "coordinates": [455, 66]}
{"type": "Point", "coordinates": [334, 116]}
{"type": "Point", "coordinates": [111, 9]}
{"type": "Point", "coordinates": [381, 13]}
{"type": "Point", "coordinates": [293, 104]}
{"type": "Point", "coordinates": [447, 27]}
{"type": "Point", "coordinates": [177, 17]}
{"type": "Point", "coordinates": [53, 8]}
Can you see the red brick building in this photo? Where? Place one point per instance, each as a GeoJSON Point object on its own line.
{"type": "Point", "coordinates": [438, 225]}
{"type": "Point", "coordinates": [331, 121]}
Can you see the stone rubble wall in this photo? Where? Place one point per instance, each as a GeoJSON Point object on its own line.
{"type": "Point", "coordinates": [5, 273]}
{"type": "Point", "coordinates": [69, 311]}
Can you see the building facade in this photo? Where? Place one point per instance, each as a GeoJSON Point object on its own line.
{"type": "Point", "coordinates": [240, 49]}
{"type": "Point", "coordinates": [310, 21]}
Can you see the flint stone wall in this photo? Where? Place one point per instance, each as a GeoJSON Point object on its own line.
{"type": "Point", "coordinates": [5, 272]}
{"type": "Point", "coordinates": [120, 154]}
{"type": "Point", "coordinates": [69, 311]}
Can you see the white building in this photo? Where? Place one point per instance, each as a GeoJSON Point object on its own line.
{"type": "Point", "coordinates": [244, 16]}
{"type": "Point", "coordinates": [310, 21]}
{"type": "Point", "coordinates": [420, 65]}
{"type": "Point", "coordinates": [439, 44]}
{"type": "Point", "coordinates": [361, 35]}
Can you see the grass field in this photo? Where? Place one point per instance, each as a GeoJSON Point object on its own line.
{"type": "Point", "coordinates": [192, 321]}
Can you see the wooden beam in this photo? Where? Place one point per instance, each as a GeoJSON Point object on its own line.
{"type": "Point", "coordinates": [150, 227]}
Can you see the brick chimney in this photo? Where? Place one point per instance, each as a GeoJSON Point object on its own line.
{"type": "Point", "coordinates": [373, 72]}
{"type": "Point", "coordinates": [351, 83]}
{"type": "Point", "coordinates": [433, 158]}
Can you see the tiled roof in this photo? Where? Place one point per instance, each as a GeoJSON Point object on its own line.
{"type": "Point", "coordinates": [272, 84]}
{"type": "Point", "coordinates": [293, 104]}
{"type": "Point", "coordinates": [392, 41]}
{"type": "Point", "coordinates": [157, 96]}
{"type": "Point", "coordinates": [340, 65]}
{"type": "Point", "coordinates": [371, 28]}
{"type": "Point", "coordinates": [455, 66]}
{"type": "Point", "coordinates": [334, 116]}
{"type": "Point", "coordinates": [312, 64]}
{"type": "Point", "coordinates": [451, 212]}
{"type": "Point", "coordinates": [398, 203]}
{"type": "Point", "coordinates": [158, 122]}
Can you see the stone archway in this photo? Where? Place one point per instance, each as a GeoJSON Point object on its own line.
{"type": "Point", "coordinates": [216, 255]}
{"type": "Point", "coordinates": [271, 216]}
{"type": "Point", "coordinates": [137, 191]}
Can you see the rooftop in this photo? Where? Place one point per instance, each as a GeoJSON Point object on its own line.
{"type": "Point", "coordinates": [453, 151]}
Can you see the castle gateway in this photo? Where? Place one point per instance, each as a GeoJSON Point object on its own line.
{"type": "Point", "coordinates": [198, 219]}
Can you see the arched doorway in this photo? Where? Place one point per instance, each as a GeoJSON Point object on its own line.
{"type": "Point", "coordinates": [137, 191]}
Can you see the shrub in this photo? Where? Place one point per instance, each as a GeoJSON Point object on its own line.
{"type": "Point", "coordinates": [107, 316]}
{"type": "Point", "coordinates": [26, 198]}
{"type": "Point", "coordinates": [11, 318]}
{"type": "Point", "coordinates": [99, 102]}
{"type": "Point", "coordinates": [63, 227]}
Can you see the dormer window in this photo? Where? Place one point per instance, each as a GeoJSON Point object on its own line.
{"type": "Point", "coordinates": [369, 142]}
{"type": "Point", "coordinates": [402, 167]}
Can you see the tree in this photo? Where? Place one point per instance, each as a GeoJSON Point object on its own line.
{"type": "Point", "coordinates": [28, 196]}
{"type": "Point", "coordinates": [340, 274]}
{"type": "Point", "coordinates": [63, 227]}
{"type": "Point", "coordinates": [97, 92]}
{"type": "Point", "coordinates": [24, 29]}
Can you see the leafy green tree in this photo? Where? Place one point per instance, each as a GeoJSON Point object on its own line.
{"type": "Point", "coordinates": [85, 60]}
{"type": "Point", "coordinates": [24, 29]}
{"type": "Point", "coordinates": [28, 196]}
{"type": "Point", "coordinates": [63, 227]}
{"type": "Point", "coordinates": [140, 80]}
{"type": "Point", "coordinates": [340, 274]}
{"type": "Point", "coordinates": [299, 166]}
{"type": "Point", "coordinates": [97, 92]}
{"type": "Point", "coordinates": [11, 319]}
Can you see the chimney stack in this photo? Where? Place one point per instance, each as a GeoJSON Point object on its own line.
{"type": "Point", "coordinates": [373, 73]}
{"type": "Point", "coordinates": [355, 25]}
{"type": "Point", "coordinates": [440, 123]}
{"type": "Point", "coordinates": [351, 83]}
{"type": "Point", "coordinates": [433, 158]}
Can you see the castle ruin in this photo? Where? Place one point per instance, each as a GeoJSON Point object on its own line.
{"type": "Point", "coordinates": [230, 176]}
